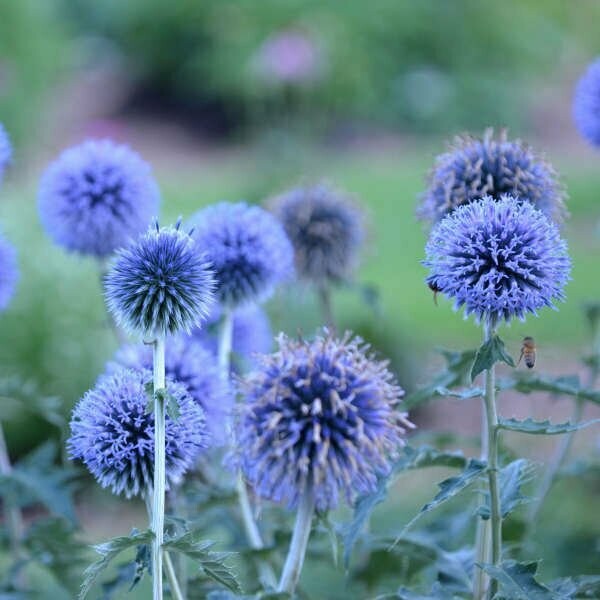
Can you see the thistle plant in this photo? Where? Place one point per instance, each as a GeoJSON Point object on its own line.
{"type": "Point", "coordinates": [500, 260]}
{"type": "Point", "coordinates": [586, 104]}
{"type": "Point", "coordinates": [160, 284]}
{"type": "Point", "coordinates": [490, 166]}
{"type": "Point", "coordinates": [319, 422]}
{"type": "Point", "coordinates": [326, 230]}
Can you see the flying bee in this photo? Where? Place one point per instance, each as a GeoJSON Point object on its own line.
{"type": "Point", "coordinates": [528, 352]}
{"type": "Point", "coordinates": [435, 289]}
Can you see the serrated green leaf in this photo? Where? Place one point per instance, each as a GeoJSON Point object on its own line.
{"type": "Point", "coordinates": [20, 398]}
{"type": "Point", "coordinates": [581, 586]}
{"type": "Point", "coordinates": [517, 580]}
{"type": "Point", "coordinates": [542, 427]}
{"type": "Point", "coordinates": [172, 407]}
{"type": "Point", "coordinates": [108, 552]}
{"type": "Point", "coordinates": [490, 352]}
{"type": "Point", "coordinates": [324, 522]}
{"type": "Point", "coordinates": [566, 385]}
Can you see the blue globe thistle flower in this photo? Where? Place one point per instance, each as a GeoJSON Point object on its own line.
{"type": "Point", "coordinates": [499, 259]}
{"type": "Point", "coordinates": [9, 272]}
{"type": "Point", "coordinates": [586, 104]}
{"type": "Point", "coordinates": [248, 249]}
{"type": "Point", "coordinates": [160, 284]}
{"type": "Point", "coordinates": [476, 167]}
{"type": "Point", "coordinates": [97, 197]}
{"type": "Point", "coordinates": [320, 416]}
{"type": "Point", "coordinates": [112, 432]}
{"type": "Point", "coordinates": [190, 363]}
{"type": "Point", "coordinates": [5, 151]}
{"type": "Point", "coordinates": [326, 230]}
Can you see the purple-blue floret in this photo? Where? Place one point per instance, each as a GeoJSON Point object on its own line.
{"type": "Point", "coordinates": [96, 197]}
{"type": "Point", "coordinates": [247, 248]}
{"type": "Point", "coordinates": [319, 417]}
{"type": "Point", "coordinates": [112, 433]}
{"type": "Point", "coordinates": [5, 150]}
{"type": "Point", "coordinates": [586, 104]}
{"type": "Point", "coordinates": [500, 259]}
{"type": "Point", "coordinates": [9, 272]}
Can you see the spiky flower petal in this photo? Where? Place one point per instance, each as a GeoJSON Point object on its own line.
{"type": "Point", "coordinates": [160, 284]}
{"type": "Point", "coordinates": [248, 249]}
{"type": "Point", "coordinates": [489, 166]}
{"type": "Point", "coordinates": [190, 363]}
{"type": "Point", "coordinates": [586, 104]}
{"type": "Point", "coordinates": [320, 416]}
{"type": "Point", "coordinates": [499, 259]}
{"type": "Point", "coordinates": [5, 151]}
{"type": "Point", "coordinates": [97, 197]}
{"type": "Point", "coordinates": [112, 432]}
{"type": "Point", "coordinates": [325, 228]}
{"type": "Point", "coordinates": [9, 272]}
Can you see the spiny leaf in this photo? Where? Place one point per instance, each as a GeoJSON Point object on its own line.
{"type": "Point", "coordinates": [490, 352]}
{"type": "Point", "coordinates": [542, 427]}
{"type": "Point", "coordinates": [567, 385]}
{"type": "Point", "coordinates": [517, 580]}
{"type": "Point", "coordinates": [325, 523]}
{"type": "Point", "coordinates": [582, 586]}
{"type": "Point", "coordinates": [449, 488]}
{"type": "Point", "coordinates": [109, 551]}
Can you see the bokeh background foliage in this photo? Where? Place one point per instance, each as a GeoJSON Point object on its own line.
{"type": "Point", "coordinates": [389, 83]}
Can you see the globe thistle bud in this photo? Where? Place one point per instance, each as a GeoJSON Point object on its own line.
{"type": "Point", "coordinates": [97, 197]}
{"type": "Point", "coordinates": [9, 272]}
{"type": "Point", "coordinates": [326, 230]}
{"type": "Point", "coordinates": [476, 167]}
{"type": "Point", "coordinates": [499, 259]}
{"type": "Point", "coordinates": [112, 432]}
{"type": "Point", "coordinates": [586, 104]}
{"type": "Point", "coordinates": [5, 151]}
{"type": "Point", "coordinates": [321, 416]}
{"type": "Point", "coordinates": [160, 284]}
{"type": "Point", "coordinates": [190, 363]}
{"type": "Point", "coordinates": [248, 249]}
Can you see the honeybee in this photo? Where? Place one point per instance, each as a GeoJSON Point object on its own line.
{"type": "Point", "coordinates": [435, 289]}
{"type": "Point", "coordinates": [528, 352]}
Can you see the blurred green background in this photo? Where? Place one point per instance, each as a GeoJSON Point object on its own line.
{"type": "Point", "coordinates": [237, 99]}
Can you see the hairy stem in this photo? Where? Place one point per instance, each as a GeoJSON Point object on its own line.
{"type": "Point", "coordinates": [326, 306]}
{"type": "Point", "coordinates": [158, 495]}
{"type": "Point", "coordinates": [295, 558]}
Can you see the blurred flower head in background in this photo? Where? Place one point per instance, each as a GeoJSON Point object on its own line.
{"type": "Point", "coordinates": [326, 230]}
{"type": "Point", "coordinates": [96, 197]}
{"type": "Point", "coordinates": [586, 104]}
{"type": "Point", "coordinates": [112, 433]}
{"type": "Point", "coordinates": [247, 248]}
{"type": "Point", "coordinates": [500, 259]}
{"type": "Point", "coordinates": [490, 166]}
{"type": "Point", "coordinates": [9, 272]}
{"type": "Point", "coordinates": [190, 363]}
{"type": "Point", "coordinates": [319, 416]}
{"type": "Point", "coordinates": [160, 284]}
{"type": "Point", "coordinates": [5, 151]}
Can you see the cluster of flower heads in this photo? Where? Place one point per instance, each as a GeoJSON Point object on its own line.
{"type": "Point", "coordinates": [500, 259]}
{"type": "Point", "coordinates": [489, 166]}
{"type": "Point", "coordinates": [326, 231]}
{"type": "Point", "coordinates": [319, 416]}
{"type": "Point", "coordinates": [112, 433]}
{"type": "Point", "coordinates": [190, 363]}
{"type": "Point", "coordinates": [5, 151]}
{"type": "Point", "coordinates": [586, 104]}
{"type": "Point", "coordinates": [97, 197]}
{"type": "Point", "coordinates": [160, 284]}
{"type": "Point", "coordinates": [247, 248]}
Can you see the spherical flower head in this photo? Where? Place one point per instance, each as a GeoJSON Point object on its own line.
{"type": "Point", "coordinates": [112, 432]}
{"type": "Point", "coordinates": [97, 197]}
{"type": "Point", "coordinates": [248, 249]}
{"type": "Point", "coordinates": [190, 363]}
{"type": "Point", "coordinates": [489, 166]}
{"type": "Point", "coordinates": [160, 284]}
{"type": "Point", "coordinates": [319, 417]}
{"type": "Point", "coordinates": [499, 259]}
{"type": "Point", "coordinates": [586, 104]}
{"type": "Point", "coordinates": [9, 272]}
{"type": "Point", "coordinates": [5, 151]}
{"type": "Point", "coordinates": [326, 230]}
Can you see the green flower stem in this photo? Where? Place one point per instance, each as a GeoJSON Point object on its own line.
{"type": "Point", "coordinates": [14, 519]}
{"type": "Point", "coordinates": [326, 306]}
{"type": "Point", "coordinates": [158, 495]}
{"type": "Point", "coordinates": [295, 558]}
{"type": "Point", "coordinates": [175, 589]}
{"type": "Point", "coordinates": [225, 343]}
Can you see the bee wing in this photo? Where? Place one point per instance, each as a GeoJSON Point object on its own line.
{"type": "Point", "coordinates": [521, 357]}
